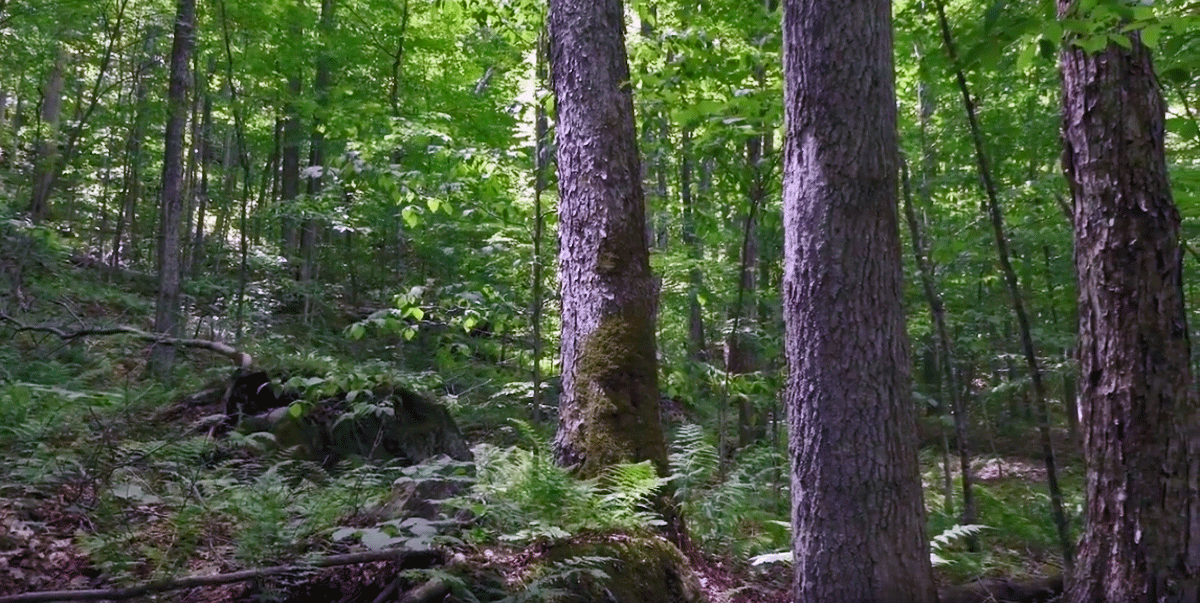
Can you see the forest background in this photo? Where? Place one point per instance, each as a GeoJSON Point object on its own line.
{"type": "Point", "coordinates": [366, 198]}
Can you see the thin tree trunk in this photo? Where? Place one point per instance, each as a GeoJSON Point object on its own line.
{"type": "Point", "coordinates": [541, 157]}
{"type": "Point", "coordinates": [195, 153]}
{"type": "Point", "coordinates": [398, 61]}
{"type": "Point", "coordinates": [167, 319]}
{"type": "Point", "coordinates": [937, 311]}
{"type": "Point", "coordinates": [310, 237]}
{"type": "Point", "coordinates": [1018, 303]}
{"type": "Point", "coordinates": [292, 138]}
{"type": "Point", "coordinates": [204, 142]}
{"type": "Point", "coordinates": [132, 189]}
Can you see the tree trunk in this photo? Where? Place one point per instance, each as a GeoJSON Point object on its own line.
{"type": "Point", "coordinates": [1014, 292]}
{"type": "Point", "coordinates": [697, 344]}
{"type": "Point", "coordinates": [132, 190]}
{"type": "Point", "coordinates": [937, 310]}
{"type": "Point", "coordinates": [167, 309]}
{"type": "Point", "coordinates": [47, 154]}
{"type": "Point", "coordinates": [609, 410]}
{"type": "Point", "coordinates": [858, 518]}
{"type": "Point", "coordinates": [541, 157]}
{"type": "Point", "coordinates": [204, 142]}
{"type": "Point", "coordinates": [289, 185]}
{"type": "Point", "coordinates": [310, 237]}
{"type": "Point", "coordinates": [1141, 542]}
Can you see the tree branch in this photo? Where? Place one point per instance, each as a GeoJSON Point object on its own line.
{"type": "Point", "coordinates": [415, 559]}
{"type": "Point", "coordinates": [239, 358]}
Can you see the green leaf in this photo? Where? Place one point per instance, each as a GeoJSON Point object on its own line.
{"type": "Point", "coordinates": [1026, 58]}
{"type": "Point", "coordinates": [434, 205]}
{"type": "Point", "coordinates": [296, 411]}
{"type": "Point", "coordinates": [357, 331]}
{"type": "Point", "coordinates": [1151, 34]}
{"type": "Point", "coordinates": [411, 218]}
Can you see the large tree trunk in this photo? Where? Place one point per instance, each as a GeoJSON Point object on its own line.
{"type": "Point", "coordinates": [1141, 542]}
{"type": "Point", "coordinates": [167, 309]}
{"type": "Point", "coordinates": [609, 411]}
{"type": "Point", "coordinates": [858, 518]}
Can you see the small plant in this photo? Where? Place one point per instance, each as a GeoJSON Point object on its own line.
{"type": "Point", "coordinates": [523, 496]}
{"type": "Point", "coordinates": [949, 535]}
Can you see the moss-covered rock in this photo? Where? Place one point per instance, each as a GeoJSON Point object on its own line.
{"type": "Point", "coordinates": [632, 569]}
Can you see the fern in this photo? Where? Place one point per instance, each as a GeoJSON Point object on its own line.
{"type": "Point", "coordinates": [938, 543]}
{"type": "Point", "coordinates": [569, 569]}
{"type": "Point", "coordinates": [629, 488]}
{"type": "Point", "coordinates": [693, 461]}
{"type": "Point", "coordinates": [524, 496]}
{"type": "Point", "coordinates": [947, 536]}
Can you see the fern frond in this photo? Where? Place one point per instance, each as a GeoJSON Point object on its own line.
{"type": "Point", "coordinates": [953, 533]}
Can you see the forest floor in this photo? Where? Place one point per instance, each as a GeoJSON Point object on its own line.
{"type": "Point", "coordinates": [105, 484]}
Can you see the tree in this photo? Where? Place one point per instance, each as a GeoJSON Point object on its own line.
{"type": "Point", "coordinates": [609, 410]}
{"type": "Point", "coordinates": [857, 510]}
{"type": "Point", "coordinates": [1139, 418]}
{"type": "Point", "coordinates": [167, 309]}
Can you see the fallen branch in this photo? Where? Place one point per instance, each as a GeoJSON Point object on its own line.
{"type": "Point", "coordinates": [410, 559]}
{"type": "Point", "coordinates": [239, 358]}
{"type": "Point", "coordinates": [434, 590]}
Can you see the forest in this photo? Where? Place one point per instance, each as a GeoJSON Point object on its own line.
{"type": "Point", "coordinates": [627, 301]}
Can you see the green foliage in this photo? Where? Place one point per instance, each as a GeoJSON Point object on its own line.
{"type": "Point", "coordinates": [521, 495]}
{"type": "Point", "coordinates": [542, 587]}
{"type": "Point", "coordinates": [738, 513]}
{"type": "Point", "coordinates": [940, 542]}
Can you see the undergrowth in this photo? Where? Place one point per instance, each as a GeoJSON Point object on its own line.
{"type": "Point", "coordinates": [520, 495]}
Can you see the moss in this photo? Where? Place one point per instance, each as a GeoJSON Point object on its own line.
{"type": "Point", "coordinates": [616, 390]}
{"type": "Point", "coordinates": [639, 569]}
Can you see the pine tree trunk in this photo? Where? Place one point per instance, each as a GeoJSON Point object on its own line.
{"type": "Point", "coordinates": [167, 318]}
{"type": "Point", "coordinates": [609, 410]}
{"type": "Point", "coordinates": [858, 517]}
{"type": "Point", "coordinates": [1141, 542]}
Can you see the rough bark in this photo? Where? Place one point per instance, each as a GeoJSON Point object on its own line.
{"type": "Point", "coordinates": [609, 410]}
{"type": "Point", "coordinates": [167, 320]}
{"type": "Point", "coordinates": [858, 519]}
{"type": "Point", "coordinates": [1141, 542]}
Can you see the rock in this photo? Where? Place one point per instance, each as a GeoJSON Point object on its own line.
{"type": "Point", "coordinates": [631, 569]}
{"type": "Point", "coordinates": [390, 424]}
